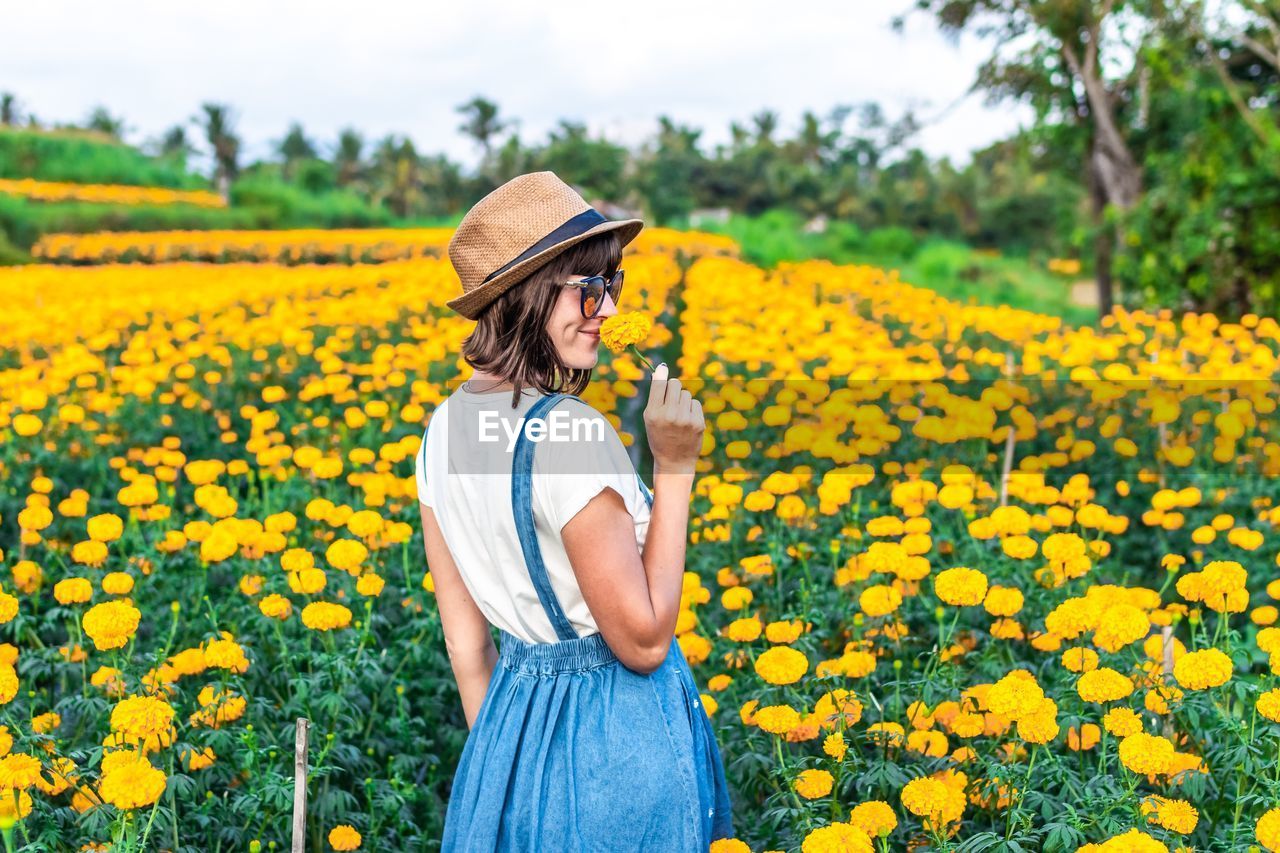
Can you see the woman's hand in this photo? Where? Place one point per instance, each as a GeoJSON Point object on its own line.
{"type": "Point", "coordinates": [674, 423]}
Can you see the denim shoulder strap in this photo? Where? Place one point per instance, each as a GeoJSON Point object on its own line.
{"type": "Point", "coordinates": [522, 507]}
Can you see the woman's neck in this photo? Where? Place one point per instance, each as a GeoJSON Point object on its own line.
{"type": "Point", "coordinates": [481, 383]}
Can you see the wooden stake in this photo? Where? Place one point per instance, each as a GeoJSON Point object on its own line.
{"type": "Point", "coordinates": [300, 786]}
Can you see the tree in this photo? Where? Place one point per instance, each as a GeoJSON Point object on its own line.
{"type": "Point", "coordinates": [294, 148]}
{"type": "Point", "coordinates": [483, 125]}
{"type": "Point", "coordinates": [173, 144]}
{"type": "Point", "coordinates": [101, 121]}
{"type": "Point", "coordinates": [596, 165]}
{"type": "Point", "coordinates": [8, 109]}
{"type": "Point", "coordinates": [224, 144]}
{"type": "Point", "coordinates": [1082, 66]}
{"type": "Point", "coordinates": [348, 157]}
{"type": "Point", "coordinates": [670, 171]}
{"type": "Point", "coordinates": [397, 175]}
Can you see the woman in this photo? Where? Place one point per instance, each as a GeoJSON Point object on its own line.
{"type": "Point", "coordinates": [586, 729]}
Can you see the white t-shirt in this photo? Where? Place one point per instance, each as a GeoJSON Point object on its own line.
{"type": "Point", "coordinates": [468, 487]}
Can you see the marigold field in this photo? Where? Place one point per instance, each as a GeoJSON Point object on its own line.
{"type": "Point", "coordinates": [959, 577]}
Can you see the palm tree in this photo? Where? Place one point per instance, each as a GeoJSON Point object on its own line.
{"type": "Point", "coordinates": [294, 148]}
{"type": "Point", "coordinates": [8, 109]}
{"type": "Point", "coordinates": [103, 122]}
{"type": "Point", "coordinates": [225, 145]}
{"type": "Point", "coordinates": [174, 144]}
{"type": "Point", "coordinates": [347, 159]}
{"type": "Point", "coordinates": [397, 175]}
{"type": "Point", "coordinates": [482, 122]}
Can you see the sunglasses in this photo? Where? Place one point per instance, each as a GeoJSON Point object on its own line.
{"type": "Point", "coordinates": [593, 289]}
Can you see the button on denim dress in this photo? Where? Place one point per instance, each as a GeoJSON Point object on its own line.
{"type": "Point", "coordinates": [574, 752]}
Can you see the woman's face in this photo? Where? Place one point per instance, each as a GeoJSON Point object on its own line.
{"type": "Point", "coordinates": [577, 339]}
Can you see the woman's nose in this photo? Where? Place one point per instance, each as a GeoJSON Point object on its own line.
{"type": "Point", "coordinates": [609, 308]}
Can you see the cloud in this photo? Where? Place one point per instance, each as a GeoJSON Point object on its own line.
{"type": "Point", "coordinates": [396, 66]}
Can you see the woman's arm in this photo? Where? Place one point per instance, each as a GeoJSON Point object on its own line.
{"type": "Point", "coordinates": [634, 597]}
{"type": "Point", "coordinates": [466, 631]}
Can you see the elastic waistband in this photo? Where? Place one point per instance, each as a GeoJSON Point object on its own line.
{"type": "Point", "coordinates": [576, 655]}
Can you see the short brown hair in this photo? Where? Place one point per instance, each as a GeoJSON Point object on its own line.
{"type": "Point", "coordinates": [510, 337]}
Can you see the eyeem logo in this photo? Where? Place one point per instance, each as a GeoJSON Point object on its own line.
{"type": "Point", "coordinates": [558, 426]}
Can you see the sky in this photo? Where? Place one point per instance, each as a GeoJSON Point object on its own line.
{"type": "Point", "coordinates": [400, 66]}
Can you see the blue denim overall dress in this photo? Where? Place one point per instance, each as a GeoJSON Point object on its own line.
{"type": "Point", "coordinates": [574, 752]}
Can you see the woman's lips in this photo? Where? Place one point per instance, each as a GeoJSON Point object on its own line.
{"type": "Point", "coordinates": [595, 336]}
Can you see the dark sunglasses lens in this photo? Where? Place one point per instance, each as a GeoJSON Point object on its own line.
{"type": "Point", "coordinates": [592, 296]}
{"type": "Point", "coordinates": [615, 288]}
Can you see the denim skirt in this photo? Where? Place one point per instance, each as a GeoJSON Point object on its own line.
{"type": "Point", "coordinates": [572, 751]}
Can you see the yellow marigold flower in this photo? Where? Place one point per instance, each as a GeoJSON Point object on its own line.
{"type": "Point", "coordinates": [782, 665]}
{"type": "Point", "coordinates": [1177, 816]}
{"type": "Point", "coordinates": [1073, 617]}
{"type": "Point", "coordinates": [834, 704]}
{"type": "Point", "coordinates": [1203, 669]}
{"type": "Point", "coordinates": [931, 799]}
{"type": "Point", "coordinates": [15, 805]}
{"type": "Point", "coordinates": [275, 606]}
{"type": "Point", "coordinates": [1003, 601]}
{"type": "Point", "coordinates": [344, 837]}
{"type": "Point", "coordinates": [1269, 705]}
{"type": "Point", "coordinates": [744, 630]}
{"type": "Point", "coordinates": [1103, 685]}
{"type": "Point", "coordinates": [1119, 626]}
{"type": "Point", "coordinates": [961, 586]}
{"type": "Point", "coordinates": [1041, 724]}
{"type": "Point", "coordinates": [117, 583]}
{"type": "Point", "coordinates": [141, 717]}
{"type": "Point", "coordinates": [728, 845]}
{"type": "Point", "coordinates": [27, 576]}
{"type": "Point", "coordinates": [219, 545]}
{"type": "Point", "coordinates": [347, 555]}
{"type": "Point", "coordinates": [777, 719]}
{"type": "Point", "coordinates": [1080, 659]}
{"type": "Point", "coordinates": [8, 607]}
{"type": "Point", "coordinates": [812, 784]}
{"type": "Point", "coordinates": [623, 330]}
{"type": "Point", "coordinates": [1146, 754]}
{"type": "Point", "coordinates": [325, 616]}
{"type": "Point", "coordinates": [879, 600]}
{"type": "Point", "coordinates": [875, 817]}
{"type": "Point", "coordinates": [365, 523]}
{"type": "Point", "coordinates": [1015, 695]}
{"type": "Point", "coordinates": [199, 760]}
{"type": "Point", "coordinates": [217, 708]}
{"type": "Point", "coordinates": [369, 584]}
{"type": "Point", "coordinates": [19, 770]}
{"type": "Point", "coordinates": [105, 528]}
{"type": "Point", "coordinates": [132, 784]}
{"type": "Point", "coordinates": [1122, 722]}
{"type": "Point", "coordinates": [834, 745]}
{"type": "Point", "coordinates": [736, 598]}
{"type": "Point", "coordinates": [226, 653]}
{"type": "Point", "coordinates": [307, 581]}
{"type": "Point", "coordinates": [787, 631]}
{"type": "Point", "coordinates": [836, 838]}
{"type": "Point", "coordinates": [1268, 830]}
{"type": "Point", "coordinates": [45, 723]}
{"type": "Point", "coordinates": [111, 624]}
{"type": "Point", "coordinates": [35, 517]}
{"type": "Point", "coordinates": [73, 591]}
{"type": "Point", "coordinates": [297, 560]}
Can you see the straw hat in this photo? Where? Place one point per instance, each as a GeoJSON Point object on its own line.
{"type": "Point", "coordinates": [518, 228]}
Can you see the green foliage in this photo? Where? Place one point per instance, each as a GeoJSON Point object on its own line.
{"type": "Point", "coordinates": [24, 221]}
{"type": "Point", "coordinates": [1206, 235]}
{"type": "Point", "coordinates": [283, 205]}
{"type": "Point", "coordinates": [85, 159]}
